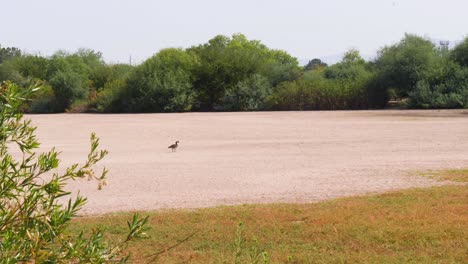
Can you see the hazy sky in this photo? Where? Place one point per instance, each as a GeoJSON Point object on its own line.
{"type": "Point", "coordinates": [305, 29]}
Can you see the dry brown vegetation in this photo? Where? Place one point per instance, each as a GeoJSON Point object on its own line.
{"type": "Point", "coordinates": [459, 175]}
{"type": "Point", "coordinates": [419, 225]}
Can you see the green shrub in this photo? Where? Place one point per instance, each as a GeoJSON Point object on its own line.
{"type": "Point", "coordinates": [447, 90]}
{"type": "Point", "coordinates": [460, 53]}
{"type": "Point", "coordinates": [404, 64]}
{"type": "Point", "coordinates": [345, 85]}
{"type": "Point", "coordinates": [107, 98]}
{"type": "Point", "coordinates": [68, 86]}
{"type": "Point", "coordinates": [78, 106]}
{"type": "Point", "coordinates": [227, 62]}
{"type": "Point", "coordinates": [32, 221]}
{"type": "Point", "coordinates": [8, 72]}
{"type": "Point", "coordinates": [163, 83]}
{"type": "Point", "coordinates": [247, 95]}
{"type": "Point", "coordinates": [42, 101]}
{"type": "Point", "coordinates": [427, 96]}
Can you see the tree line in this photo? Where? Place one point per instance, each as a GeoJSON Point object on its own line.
{"type": "Point", "coordinates": [238, 74]}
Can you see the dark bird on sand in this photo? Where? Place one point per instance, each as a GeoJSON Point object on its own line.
{"type": "Point", "coordinates": [174, 146]}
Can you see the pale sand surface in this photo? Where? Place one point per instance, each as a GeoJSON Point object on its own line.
{"type": "Point", "coordinates": [261, 157]}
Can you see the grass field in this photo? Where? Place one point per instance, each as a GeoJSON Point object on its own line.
{"type": "Point", "coordinates": [427, 225]}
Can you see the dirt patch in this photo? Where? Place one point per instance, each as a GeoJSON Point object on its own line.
{"type": "Point", "coordinates": [262, 157]}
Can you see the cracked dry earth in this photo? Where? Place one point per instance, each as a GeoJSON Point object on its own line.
{"type": "Point", "coordinates": [256, 157]}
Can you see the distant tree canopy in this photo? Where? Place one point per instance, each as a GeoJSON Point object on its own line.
{"type": "Point", "coordinates": [312, 64]}
{"type": "Point", "coordinates": [238, 74]}
{"type": "Point", "coordinates": [163, 83]}
{"type": "Point", "coordinates": [226, 62]}
{"type": "Point", "coordinates": [344, 85]}
{"type": "Point", "coordinates": [352, 67]}
{"type": "Point", "coordinates": [403, 64]}
{"type": "Point", "coordinates": [460, 53]}
{"type": "Point", "coordinates": [429, 76]}
{"type": "Point", "coordinates": [9, 53]}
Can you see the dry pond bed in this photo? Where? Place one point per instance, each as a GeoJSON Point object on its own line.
{"type": "Point", "coordinates": [256, 157]}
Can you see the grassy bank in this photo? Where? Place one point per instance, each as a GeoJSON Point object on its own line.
{"type": "Point", "coordinates": [457, 175]}
{"type": "Point", "coordinates": [418, 225]}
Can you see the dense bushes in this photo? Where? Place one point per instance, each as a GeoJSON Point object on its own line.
{"type": "Point", "coordinates": [404, 64]}
{"type": "Point", "coordinates": [320, 94]}
{"type": "Point", "coordinates": [225, 74]}
{"type": "Point", "coordinates": [68, 86]}
{"type": "Point", "coordinates": [429, 76]}
{"type": "Point", "coordinates": [237, 74]}
{"type": "Point", "coordinates": [345, 85]}
{"type": "Point", "coordinates": [249, 94]}
{"type": "Point", "coordinates": [460, 53]}
{"type": "Point", "coordinates": [162, 83]}
{"type": "Point", "coordinates": [71, 77]}
{"type": "Point", "coordinates": [232, 68]}
{"type": "Point", "coordinates": [450, 90]}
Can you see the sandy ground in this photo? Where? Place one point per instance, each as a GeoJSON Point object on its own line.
{"type": "Point", "coordinates": [264, 157]}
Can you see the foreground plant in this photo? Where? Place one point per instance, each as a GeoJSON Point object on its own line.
{"type": "Point", "coordinates": [32, 220]}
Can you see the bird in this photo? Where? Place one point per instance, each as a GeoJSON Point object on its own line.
{"type": "Point", "coordinates": [174, 146]}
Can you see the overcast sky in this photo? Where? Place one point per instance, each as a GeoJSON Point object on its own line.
{"type": "Point", "coordinates": [305, 29]}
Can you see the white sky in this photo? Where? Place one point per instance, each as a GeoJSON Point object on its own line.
{"type": "Point", "coordinates": [305, 29]}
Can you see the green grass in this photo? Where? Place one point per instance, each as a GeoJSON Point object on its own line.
{"type": "Point", "coordinates": [412, 226]}
{"type": "Point", "coordinates": [456, 175]}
